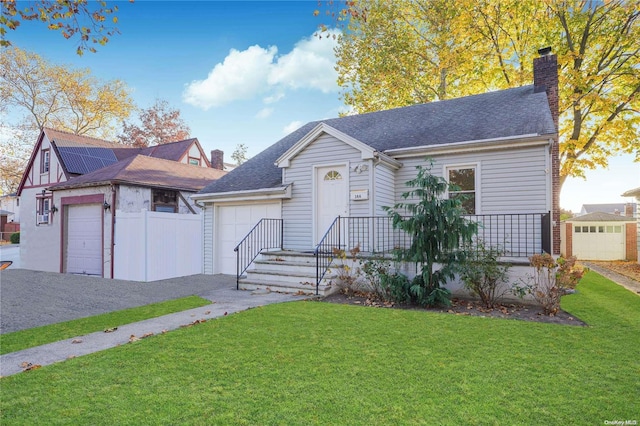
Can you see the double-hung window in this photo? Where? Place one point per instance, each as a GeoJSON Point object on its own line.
{"type": "Point", "coordinates": [43, 210]}
{"type": "Point", "coordinates": [463, 179]}
{"type": "Point", "coordinates": [45, 156]}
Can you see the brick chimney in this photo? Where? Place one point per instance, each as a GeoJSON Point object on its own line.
{"type": "Point", "coordinates": [217, 159]}
{"type": "Point", "coordinates": [545, 78]}
{"type": "Point", "coordinates": [628, 209]}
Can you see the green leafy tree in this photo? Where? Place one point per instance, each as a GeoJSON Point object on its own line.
{"type": "Point", "coordinates": [439, 233]}
{"type": "Point", "coordinates": [91, 21]}
{"type": "Point", "coordinates": [403, 52]}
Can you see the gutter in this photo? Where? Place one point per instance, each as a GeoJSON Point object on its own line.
{"type": "Point", "coordinates": [531, 139]}
{"type": "Point", "coordinates": [282, 192]}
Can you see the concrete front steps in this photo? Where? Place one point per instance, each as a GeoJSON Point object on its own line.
{"type": "Point", "coordinates": [286, 272]}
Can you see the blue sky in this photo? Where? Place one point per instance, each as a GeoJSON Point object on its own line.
{"type": "Point", "coordinates": [244, 72]}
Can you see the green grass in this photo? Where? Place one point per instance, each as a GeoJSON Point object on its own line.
{"type": "Point", "coordinates": [320, 363]}
{"type": "Point", "coordinates": [29, 338]}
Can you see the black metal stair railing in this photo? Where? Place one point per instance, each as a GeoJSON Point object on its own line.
{"type": "Point", "coordinates": [324, 251]}
{"type": "Point", "coordinates": [266, 234]}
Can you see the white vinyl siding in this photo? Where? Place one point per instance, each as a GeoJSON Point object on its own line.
{"type": "Point", "coordinates": [298, 211]}
{"type": "Point", "coordinates": [383, 189]}
{"type": "Point", "coordinates": [510, 181]}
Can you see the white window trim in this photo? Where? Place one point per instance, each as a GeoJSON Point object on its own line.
{"type": "Point", "coordinates": [43, 217]}
{"type": "Point", "coordinates": [476, 183]}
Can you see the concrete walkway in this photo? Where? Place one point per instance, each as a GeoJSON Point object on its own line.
{"type": "Point", "coordinates": [626, 282]}
{"type": "Point", "coordinates": [226, 300]}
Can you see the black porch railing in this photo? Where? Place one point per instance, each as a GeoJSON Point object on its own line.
{"type": "Point", "coordinates": [323, 252]}
{"type": "Point", "coordinates": [267, 234]}
{"type": "Point", "coordinates": [519, 235]}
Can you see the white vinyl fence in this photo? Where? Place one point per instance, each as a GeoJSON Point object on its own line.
{"type": "Point", "coordinates": [152, 246]}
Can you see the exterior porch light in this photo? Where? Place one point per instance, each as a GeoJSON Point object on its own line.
{"type": "Point", "coordinates": [106, 206]}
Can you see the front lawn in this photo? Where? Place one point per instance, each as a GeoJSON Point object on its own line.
{"type": "Point", "coordinates": [322, 363]}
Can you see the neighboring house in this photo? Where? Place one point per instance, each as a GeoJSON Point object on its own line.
{"type": "Point", "coordinates": [600, 236]}
{"type": "Point", "coordinates": [622, 209]}
{"type": "Point", "coordinates": [74, 187]}
{"type": "Point", "coordinates": [500, 147]}
{"type": "Point", "coordinates": [9, 215]}
{"type": "Point", "coordinates": [635, 193]}
{"type": "Point", "coordinates": [11, 203]}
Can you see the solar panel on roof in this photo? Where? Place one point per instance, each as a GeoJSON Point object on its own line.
{"type": "Point", "coordinates": [81, 160]}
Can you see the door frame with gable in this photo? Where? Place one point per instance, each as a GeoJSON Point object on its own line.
{"type": "Point", "coordinates": [322, 169]}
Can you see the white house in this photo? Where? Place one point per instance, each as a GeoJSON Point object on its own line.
{"type": "Point", "coordinates": [500, 147]}
{"type": "Point", "coordinates": [75, 186]}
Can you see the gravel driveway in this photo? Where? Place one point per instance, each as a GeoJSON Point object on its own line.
{"type": "Point", "coordinates": [32, 298]}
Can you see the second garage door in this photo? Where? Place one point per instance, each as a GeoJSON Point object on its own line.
{"type": "Point", "coordinates": [599, 241]}
{"type": "Point", "coordinates": [84, 239]}
{"type": "Point", "coordinates": [233, 222]}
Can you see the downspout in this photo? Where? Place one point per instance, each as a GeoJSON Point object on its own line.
{"type": "Point", "coordinates": [549, 183]}
{"type": "Point", "coordinates": [113, 228]}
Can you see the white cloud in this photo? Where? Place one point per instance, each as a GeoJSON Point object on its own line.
{"type": "Point", "coordinates": [242, 75]}
{"type": "Point", "coordinates": [273, 98]}
{"type": "Point", "coordinates": [256, 70]}
{"type": "Point", "coordinates": [291, 127]}
{"type": "Point", "coordinates": [309, 65]}
{"type": "Point", "coordinates": [264, 113]}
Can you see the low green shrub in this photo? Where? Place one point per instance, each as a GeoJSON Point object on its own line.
{"type": "Point", "coordinates": [484, 276]}
{"type": "Point", "coordinates": [15, 238]}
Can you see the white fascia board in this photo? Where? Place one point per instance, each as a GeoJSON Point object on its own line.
{"type": "Point", "coordinates": [366, 151]}
{"type": "Point", "coordinates": [475, 145]}
{"type": "Point", "coordinates": [282, 192]}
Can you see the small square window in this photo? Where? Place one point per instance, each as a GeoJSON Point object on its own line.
{"type": "Point", "coordinates": [585, 229]}
{"type": "Point", "coordinates": [609, 229]}
{"type": "Point", "coordinates": [577, 229]}
{"type": "Point", "coordinates": [600, 229]}
{"type": "Point", "coordinates": [617, 229]}
{"type": "Point", "coordinates": [592, 229]}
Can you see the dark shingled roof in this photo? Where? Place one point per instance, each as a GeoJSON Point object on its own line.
{"type": "Point", "coordinates": [147, 171]}
{"type": "Point", "coordinates": [500, 114]}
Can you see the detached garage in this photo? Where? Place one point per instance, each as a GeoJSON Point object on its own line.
{"type": "Point", "coordinates": [600, 236]}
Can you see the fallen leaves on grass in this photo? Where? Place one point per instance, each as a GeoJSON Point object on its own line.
{"type": "Point", "coordinates": [198, 321]}
{"type": "Point", "coordinates": [110, 330]}
{"type": "Point", "coordinates": [27, 366]}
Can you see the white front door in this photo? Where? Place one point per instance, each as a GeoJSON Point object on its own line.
{"type": "Point", "coordinates": [332, 198]}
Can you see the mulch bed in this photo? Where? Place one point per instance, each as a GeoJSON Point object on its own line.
{"type": "Point", "coordinates": [459, 306]}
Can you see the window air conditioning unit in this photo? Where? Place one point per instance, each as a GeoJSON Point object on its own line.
{"type": "Point", "coordinates": [43, 218]}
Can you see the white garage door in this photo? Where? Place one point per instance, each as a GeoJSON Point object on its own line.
{"type": "Point", "coordinates": [84, 239]}
{"type": "Point", "coordinates": [599, 241]}
{"type": "Point", "coordinates": [233, 222]}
